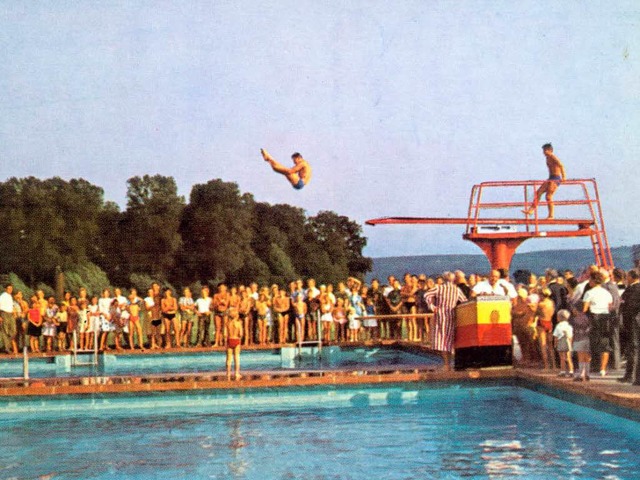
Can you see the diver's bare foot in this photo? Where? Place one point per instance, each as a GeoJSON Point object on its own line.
{"type": "Point", "coordinates": [265, 155]}
{"type": "Point", "coordinates": [527, 211]}
{"type": "Point", "coordinates": [550, 217]}
{"type": "Point", "coordinates": [238, 376]}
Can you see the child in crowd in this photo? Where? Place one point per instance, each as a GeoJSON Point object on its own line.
{"type": "Point", "coordinates": [262, 309]}
{"type": "Point", "coordinates": [34, 329]}
{"type": "Point", "coordinates": [562, 337]}
{"type": "Point", "coordinates": [135, 324]}
{"type": "Point", "coordinates": [581, 324]}
{"type": "Point", "coordinates": [50, 324]}
{"type": "Point", "coordinates": [340, 318]}
{"type": "Point", "coordinates": [300, 309]}
{"type": "Point", "coordinates": [83, 324]}
{"type": "Point", "coordinates": [63, 318]}
{"type": "Point", "coordinates": [72, 324]}
{"type": "Point", "coordinates": [370, 324]}
{"type": "Point", "coordinates": [326, 307]}
{"type": "Point", "coordinates": [94, 322]}
{"type": "Point", "coordinates": [354, 325]}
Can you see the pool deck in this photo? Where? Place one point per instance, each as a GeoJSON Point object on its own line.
{"type": "Point", "coordinates": [607, 388]}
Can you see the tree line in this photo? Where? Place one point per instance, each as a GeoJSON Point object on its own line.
{"type": "Point", "coordinates": [219, 235]}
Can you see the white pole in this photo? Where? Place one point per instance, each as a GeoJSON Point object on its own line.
{"type": "Point", "coordinates": [25, 363]}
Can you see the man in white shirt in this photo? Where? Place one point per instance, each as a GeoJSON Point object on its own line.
{"type": "Point", "coordinates": [598, 303]}
{"type": "Point", "coordinates": [203, 309]}
{"type": "Point", "coordinates": [7, 321]}
{"type": "Point", "coordinates": [494, 285]}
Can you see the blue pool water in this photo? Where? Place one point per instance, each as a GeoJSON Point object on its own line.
{"type": "Point", "coordinates": [398, 432]}
{"type": "Point", "coordinates": [287, 359]}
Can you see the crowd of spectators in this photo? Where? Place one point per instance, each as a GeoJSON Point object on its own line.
{"type": "Point", "coordinates": [554, 317]}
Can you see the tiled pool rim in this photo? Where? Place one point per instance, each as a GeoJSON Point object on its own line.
{"type": "Point", "coordinates": [587, 394]}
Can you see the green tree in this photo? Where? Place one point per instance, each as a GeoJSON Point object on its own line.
{"type": "Point", "coordinates": [341, 238]}
{"type": "Point", "coordinates": [147, 234]}
{"type": "Point", "coordinates": [216, 230]}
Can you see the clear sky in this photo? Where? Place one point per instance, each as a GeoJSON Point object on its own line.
{"type": "Point", "coordinates": [400, 106]}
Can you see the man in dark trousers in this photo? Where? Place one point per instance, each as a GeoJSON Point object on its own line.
{"type": "Point", "coordinates": [559, 292]}
{"type": "Point", "coordinates": [630, 331]}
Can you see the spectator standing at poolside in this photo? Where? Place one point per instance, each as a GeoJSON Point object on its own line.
{"type": "Point", "coordinates": [300, 309]}
{"type": "Point", "coordinates": [21, 307]}
{"type": "Point", "coordinates": [312, 295]}
{"type": "Point", "coordinates": [544, 322]}
{"type": "Point", "coordinates": [494, 285]}
{"type": "Point", "coordinates": [559, 292]}
{"type": "Point", "coordinates": [281, 307]}
{"type": "Point", "coordinates": [598, 302]}
{"type": "Point", "coordinates": [563, 338]}
{"type": "Point", "coordinates": [581, 324]}
{"type": "Point", "coordinates": [220, 305]}
{"type": "Point", "coordinates": [187, 307]}
{"type": "Point", "coordinates": [629, 339]}
{"type": "Point", "coordinates": [34, 329]}
{"type": "Point", "coordinates": [203, 308]}
{"type": "Point", "coordinates": [135, 324]}
{"type": "Point", "coordinates": [422, 308]}
{"type": "Point", "coordinates": [155, 315]}
{"type": "Point", "coordinates": [169, 306]}
{"type": "Point", "coordinates": [443, 300]}
{"type": "Point", "coordinates": [394, 303]}
{"type": "Point", "coordinates": [326, 315]}
{"type": "Point", "coordinates": [461, 283]}
{"type": "Point", "coordinates": [244, 312]}
{"type": "Point", "coordinates": [233, 335]}
{"type": "Point", "coordinates": [524, 328]}
{"type": "Point", "coordinates": [8, 321]}
{"type": "Point", "coordinates": [262, 308]}
{"type": "Point", "coordinates": [408, 293]}
{"type": "Point", "coordinates": [612, 287]}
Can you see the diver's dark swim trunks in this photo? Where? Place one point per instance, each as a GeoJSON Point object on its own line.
{"type": "Point", "coordinates": [299, 185]}
{"type": "Point", "coordinates": [556, 178]}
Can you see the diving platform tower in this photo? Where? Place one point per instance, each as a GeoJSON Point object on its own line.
{"type": "Point", "coordinates": [499, 236]}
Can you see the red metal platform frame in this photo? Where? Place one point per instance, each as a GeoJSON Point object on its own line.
{"type": "Point", "coordinates": [500, 246]}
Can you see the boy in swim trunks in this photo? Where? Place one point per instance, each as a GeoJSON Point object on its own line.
{"type": "Point", "coordinates": [298, 175]}
{"type": "Point", "coordinates": [233, 334]}
{"type": "Point", "coordinates": [557, 175]}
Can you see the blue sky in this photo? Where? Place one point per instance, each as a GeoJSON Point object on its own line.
{"type": "Point", "coordinates": [400, 106]}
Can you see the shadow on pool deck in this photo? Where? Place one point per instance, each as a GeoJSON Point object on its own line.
{"type": "Point", "coordinates": [607, 388]}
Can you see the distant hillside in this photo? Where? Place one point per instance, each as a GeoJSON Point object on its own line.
{"type": "Point", "coordinates": [536, 262]}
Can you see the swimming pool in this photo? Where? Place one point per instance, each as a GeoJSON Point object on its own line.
{"type": "Point", "coordinates": [332, 357]}
{"type": "Point", "coordinates": [397, 432]}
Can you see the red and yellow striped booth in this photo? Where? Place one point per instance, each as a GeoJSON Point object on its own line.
{"type": "Point", "coordinates": [483, 333]}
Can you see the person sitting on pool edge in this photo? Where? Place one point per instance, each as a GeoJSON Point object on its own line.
{"type": "Point", "coordinates": [233, 334]}
{"type": "Point", "coordinates": [298, 175]}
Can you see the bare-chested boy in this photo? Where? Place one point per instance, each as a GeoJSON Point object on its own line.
{"type": "Point", "coordinates": [220, 304]}
{"type": "Point", "coordinates": [244, 311]}
{"type": "Point", "coordinates": [557, 175]}
{"type": "Point", "coordinates": [544, 322]}
{"type": "Point", "coordinates": [282, 305]}
{"type": "Point", "coordinates": [300, 308]}
{"type": "Point", "coordinates": [233, 334]}
{"type": "Point", "coordinates": [135, 325]}
{"type": "Point", "coordinates": [298, 175]}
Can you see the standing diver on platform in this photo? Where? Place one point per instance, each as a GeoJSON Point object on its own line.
{"type": "Point", "coordinates": [298, 175]}
{"type": "Point", "coordinates": [556, 177]}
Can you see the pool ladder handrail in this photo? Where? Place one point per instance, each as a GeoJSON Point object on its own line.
{"type": "Point", "coordinates": [317, 342]}
{"type": "Point", "coordinates": [94, 361]}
